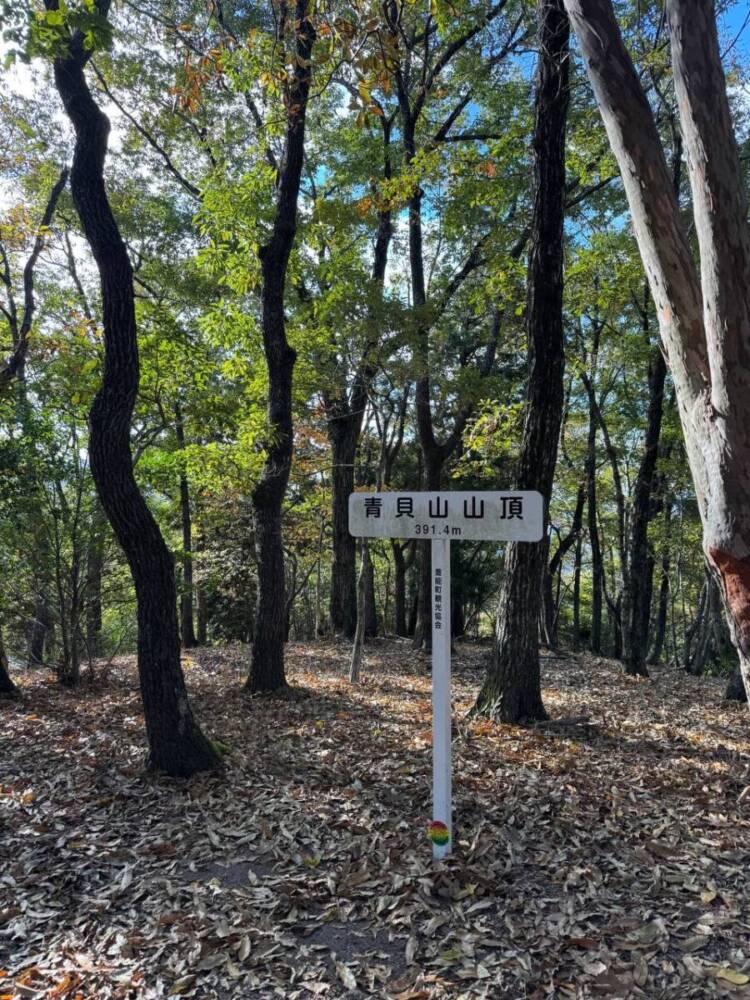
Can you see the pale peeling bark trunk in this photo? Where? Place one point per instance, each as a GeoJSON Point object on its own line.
{"type": "Point", "coordinates": [704, 324]}
{"type": "Point", "coordinates": [720, 209]}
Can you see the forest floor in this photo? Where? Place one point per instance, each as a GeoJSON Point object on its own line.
{"type": "Point", "coordinates": [606, 862]}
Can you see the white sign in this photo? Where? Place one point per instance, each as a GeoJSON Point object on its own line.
{"type": "Point", "coordinates": [481, 516]}
{"type": "Point", "coordinates": [442, 518]}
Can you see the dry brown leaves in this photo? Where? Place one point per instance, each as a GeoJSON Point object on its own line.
{"type": "Point", "coordinates": [613, 865]}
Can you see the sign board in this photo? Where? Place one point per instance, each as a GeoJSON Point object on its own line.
{"type": "Point", "coordinates": [442, 518]}
{"type": "Point", "coordinates": [480, 516]}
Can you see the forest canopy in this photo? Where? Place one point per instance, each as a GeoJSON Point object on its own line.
{"type": "Point", "coordinates": [255, 257]}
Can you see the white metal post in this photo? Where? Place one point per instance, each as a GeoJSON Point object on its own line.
{"type": "Point", "coordinates": [442, 800]}
{"type": "Point", "coordinates": [462, 516]}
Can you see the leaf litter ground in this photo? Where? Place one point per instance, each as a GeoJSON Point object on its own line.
{"type": "Point", "coordinates": [604, 860]}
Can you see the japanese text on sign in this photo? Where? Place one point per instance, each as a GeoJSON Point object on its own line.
{"type": "Point", "coordinates": [483, 515]}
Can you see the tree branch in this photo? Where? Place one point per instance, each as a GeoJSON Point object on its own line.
{"type": "Point", "coordinates": [15, 364]}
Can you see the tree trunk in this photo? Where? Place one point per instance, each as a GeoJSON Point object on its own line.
{"type": "Point", "coordinates": [550, 615]}
{"type": "Point", "coordinates": [662, 604]}
{"type": "Point", "coordinates": [422, 631]}
{"type": "Point", "coordinates": [614, 613]}
{"type": "Point", "coordinates": [202, 616]}
{"type": "Point", "coordinates": [371, 608]}
{"type": "Point", "coordinates": [186, 592]}
{"type": "Point", "coordinates": [704, 324]}
{"type": "Point", "coordinates": [345, 419]}
{"type": "Point", "coordinates": [411, 625]}
{"type": "Point", "coordinates": [267, 663]}
{"type": "Point", "coordinates": [93, 593]}
{"type": "Point", "coordinates": [38, 630]}
{"type": "Point", "coordinates": [721, 223]}
{"type": "Point", "coordinates": [355, 664]}
{"type": "Point", "coordinates": [577, 593]}
{"type": "Point", "coordinates": [343, 433]}
{"type": "Point", "coordinates": [201, 606]}
{"type": "Point", "coordinates": [695, 650]}
{"type": "Point", "coordinates": [597, 563]}
{"type": "Point", "coordinates": [512, 689]}
{"type": "Point", "coordinates": [458, 617]}
{"type": "Point", "coordinates": [7, 687]}
{"type": "Point", "coordinates": [640, 575]}
{"type": "Point", "coordinates": [176, 743]}
{"type": "Point", "coordinates": [399, 587]}
{"type": "Point", "coordinates": [318, 626]}
{"type": "Point", "coordinates": [69, 665]}
{"type": "Point", "coordinates": [735, 689]}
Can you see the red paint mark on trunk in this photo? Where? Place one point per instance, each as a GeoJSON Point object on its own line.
{"type": "Point", "coordinates": [735, 575]}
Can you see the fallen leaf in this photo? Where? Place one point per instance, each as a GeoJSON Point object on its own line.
{"type": "Point", "coordinates": [730, 975]}
{"type": "Point", "coordinates": [346, 976]}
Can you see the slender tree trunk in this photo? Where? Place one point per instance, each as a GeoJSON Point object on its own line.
{"type": "Point", "coordinates": [371, 608]}
{"type": "Point", "coordinates": [63, 665]}
{"type": "Point", "coordinates": [551, 605]}
{"type": "Point", "coordinates": [355, 664]}
{"type": "Point", "coordinates": [422, 632]}
{"type": "Point", "coordinates": [695, 651]}
{"type": "Point", "coordinates": [202, 616]}
{"type": "Point", "coordinates": [399, 587]}
{"type": "Point", "coordinates": [386, 590]}
{"type": "Point", "coordinates": [597, 563]}
{"type": "Point", "coordinates": [640, 576]}
{"type": "Point", "coordinates": [662, 604]}
{"type": "Point", "coordinates": [318, 627]}
{"type": "Point", "coordinates": [662, 609]}
{"type": "Point", "coordinates": [201, 606]}
{"type": "Point", "coordinates": [189, 640]}
{"type": "Point", "coordinates": [614, 613]}
{"type": "Point", "coordinates": [39, 629]}
{"type": "Point", "coordinates": [69, 667]}
{"type": "Point", "coordinates": [577, 593]}
{"type": "Point", "coordinates": [458, 617]}
{"type": "Point", "coordinates": [7, 687]}
{"type": "Point", "coordinates": [345, 419]}
{"type": "Point", "coordinates": [267, 663]}
{"type": "Point", "coordinates": [93, 593]}
{"type": "Point", "coordinates": [688, 649]}
{"type": "Point", "coordinates": [411, 625]}
{"type": "Point", "coordinates": [404, 556]}
{"type": "Point", "coordinates": [707, 636]}
{"type": "Point", "coordinates": [343, 433]}
{"type": "Point", "coordinates": [512, 689]}
{"type": "Point", "coordinates": [434, 452]}
{"type": "Point", "coordinates": [176, 743]}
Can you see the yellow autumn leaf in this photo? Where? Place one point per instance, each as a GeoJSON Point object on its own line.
{"type": "Point", "coordinates": [730, 975]}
